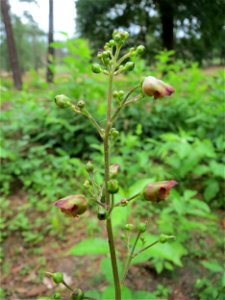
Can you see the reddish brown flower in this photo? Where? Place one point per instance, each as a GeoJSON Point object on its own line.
{"type": "Point", "coordinates": [72, 205]}
{"type": "Point", "coordinates": [158, 191]}
{"type": "Point", "coordinates": [152, 86]}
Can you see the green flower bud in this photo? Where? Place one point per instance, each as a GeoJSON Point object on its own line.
{"type": "Point", "coordinates": [115, 134]}
{"type": "Point", "coordinates": [57, 296]}
{"type": "Point", "coordinates": [129, 66]}
{"type": "Point", "coordinates": [121, 94]}
{"type": "Point", "coordinates": [102, 214]}
{"type": "Point", "coordinates": [129, 227]}
{"type": "Point", "coordinates": [81, 104]}
{"type": "Point", "coordinates": [106, 54]}
{"type": "Point", "coordinates": [77, 295]}
{"type": "Point", "coordinates": [115, 94]}
{"type": "Point", "coordinates": [132, 50]}
{"type": "Point", "coordinates": [111, 43]}
{"type": "Point", "coordinates": [57, 277]}
{"type": "Point", "coordinates": [113, 186]}
{"type": "Point", "coordinates": [89, 166]}
{"type": "Point", "coordinates": [96, 68]}
{"type": "Point", "coordinates": [140, 49]}
{"type": "Point", "coordinates": [86, 184]}
{"type": "Point", "coordinates": [141, 227]}
{"type": "Point", "coordinates": [117, 38]}
{"type": "Point", "coordinates": [62, 101]}
{"type": "Point", "coordinates": [99, 55]}
{"type": "Point", "coordinates": [125, 34]}
{"type": "Point", "coordinates": [163, 238]}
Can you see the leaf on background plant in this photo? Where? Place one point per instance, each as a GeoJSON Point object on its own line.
{"type": "Point", "coordinates": [211, 190]}
{"type": "Point", "coordinates": [93, 294]}
{"type": "Point", "coordinates": [138, 186]}
{"type": "Point", "coordinates": [107, 270]}
{"type": "Point", "coordinates": [90, 246]}
{"type": "Point", "coordinates": [120, 215]}
{"type": "Point", "coordinates": [109, 293]}
{"type": "Point", "coordinates": [217, 169]}
{"type": "Point", "coordinates": [172, 251]}
{"type": "Point", "coordinates": [213, 266]}
{"type": "Point", "coordinates": [143, 295]}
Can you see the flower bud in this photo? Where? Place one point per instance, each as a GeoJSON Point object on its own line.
{"type": "Point", "coordinates": [141, 227]}
{"type": "Point", "coordinates": [105, 54]}
{"type": "Point", "coordinates": [115, 94]}
{"type": "Point", "coordinates": [114, 170]}
{"type": "Point", "coordinates": [57, 277]}
{"type": "Point", "coordinates": [111, 43]}
{"type": "Point", "coordinates": [62, 101]}
{"type": "Point", "coordinates": [81, 104]}
{"type": "Point", "coordinates": [96, 68]}
{"type": "Point", "coordinates": [86, 184]}
{"type": "Point", "coordinates": [89, 166]}
{"type": "Point", "coordinates": [99, 55]}
{"type": "Point", "coordinates": [77, 295]}
{"type": "Point", "coordinates": [115, 134]}
{"type": "Point", "coordinates": [102, 214]}
{"type": "Point", "coordinates": [140, 49]}
{"type": "Point", "coordinates": [117, 38]}
{"type": "Point", "coordinates": [158, 191]}
{"type": "Point", "coordinates": [163, 238]}
{"type": "Point", "coordinates": [73, 205]}
{"type": "Point", "coordinates": [129, 66]}
{"type": "Point", "coordinates": [113, 186]}
{"type": "Point", "coordinates": [121, 94]}
{"type": "Point", "coordinates": [57, 296]}
{"type": "Point", "coordinates": [129, 227]}
{"type": "Point", "coordinates": [152, 86]}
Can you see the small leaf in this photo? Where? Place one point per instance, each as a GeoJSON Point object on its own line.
{"type": "Point", "coordinates": [90, 246]}
{"type": "Point", "coordinates": [143, 295]}
{"type": "Point", "coordinates": [212, 266]}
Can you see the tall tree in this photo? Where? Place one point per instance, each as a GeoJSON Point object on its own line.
{"type": "Point", "coordinates": [11, 44]}
{"type": "Point", "coordinates": [50, 58]}
{"type": "Point", "coordinates": [194, 28]}
{"type": "Point", "coordinates": [166, 12]}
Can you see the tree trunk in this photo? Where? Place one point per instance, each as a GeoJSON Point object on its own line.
{"type": "Point", "coordinates": [167, 21]}
{"type": "Point", "coordinates": [11, 45]}
{"type": "Point", "coordinates": [51, 51]}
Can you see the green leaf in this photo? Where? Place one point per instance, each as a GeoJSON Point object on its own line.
{"type": "Point", "coordinates": [106, 268]}
{"type": "Point", "coordinates": [212, 266]}
{"type": "Point", "coordinates": [93, 294]}
{"type": "Point", "coordinates": [143, 295]}
{"type": "Point", "coordinates": [109, 293]}
{"type": "Point", "coordinates": [139, 185]}
{"type": "Point", "coordinates": [90, 246]}
{"type": "Point", "coordinates": [211, 190]}
{"type": "Point", "coordinates": [169, 251]}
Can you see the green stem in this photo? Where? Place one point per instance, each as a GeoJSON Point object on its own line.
{"type": "Point", "coordinates": [123, 104]}
{"type": "Point", "coordinates": [86, 113]}
{"type": "Point", "coordinates": [67, 286]}
{"type": "Point", "coordinates": [129, 258]}
{"type": "Point", "coordinates": [107, 195]}
{"type": "Point", "coordinates": [145, 248]}
{"type": "Point", "coordinates": [125, 200]}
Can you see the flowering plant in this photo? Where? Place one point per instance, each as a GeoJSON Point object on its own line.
{"type": "Point", "coordinates": [112, 64]}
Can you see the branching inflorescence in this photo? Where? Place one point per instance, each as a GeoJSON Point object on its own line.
{"type": "Point", "coordinates": [112, 64]}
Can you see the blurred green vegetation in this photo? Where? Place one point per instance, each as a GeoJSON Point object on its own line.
{"type": "Point", "coordinates": [43, 150]}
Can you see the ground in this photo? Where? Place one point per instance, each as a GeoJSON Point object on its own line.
{"type": "Point", "coordinates": [24, 266]}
